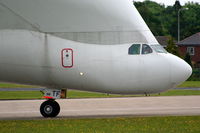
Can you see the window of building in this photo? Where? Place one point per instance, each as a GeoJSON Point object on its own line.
{"type": "Point", "coordinates": [146, 49]}
{"type": "Point", "coordinates": [190, 50]}
{"type": "Point", "coordinates": [134, 49]}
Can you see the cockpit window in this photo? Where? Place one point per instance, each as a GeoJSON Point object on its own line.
{"type": "Point", "coordinates": [146, 49]}
{"type": "Point", "coordinates": [134, 49]}
{"type": "Point", "coordinates": [158, 48]}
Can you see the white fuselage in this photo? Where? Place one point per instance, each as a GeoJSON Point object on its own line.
{"type": "Point", "coordinates": [36, 58]}
{"type": "Point", "coordinates": [83, 45]}
{"type": "Point", "coordinates": [90, 45]}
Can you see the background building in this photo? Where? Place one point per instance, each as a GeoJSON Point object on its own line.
{"type": "Point", "coordinates": [191, 45]}
{"type": "Point", "coordinates": [163, 40]}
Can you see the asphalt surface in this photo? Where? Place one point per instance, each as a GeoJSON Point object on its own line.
{"type": "Point", "coordinates": [105, 107]}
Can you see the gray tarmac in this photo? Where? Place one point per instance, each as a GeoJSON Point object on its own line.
{"type": "Point", "coordinates": [105, 107]}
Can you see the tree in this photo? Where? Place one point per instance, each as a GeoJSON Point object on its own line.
{"type": "Point", "coordinates": [152, 13]}
{"type": "Point", "coordinates": [188, 59]}
{"type": "Point", "coordinates": [190, 21]}
{"type": "Point", "coordinates": [163, 20]}
{"type": "Point", "coordinates": [172, 47]}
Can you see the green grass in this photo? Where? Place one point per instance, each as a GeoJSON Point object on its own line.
{"type": "Point", "coordinates": [20, 95]}
{"type": "Point", "coordinates": [194, 84]}
{"type": "Point", "coordinates": [10, 85]}
{"type": "Point", "coordinates": [181, 124]}
{"type": "Point", "coordinates": [175, 124]}
{"type": "Point", "coordinates": [173, 92]}
{"type": "Point", "coordinates": [81, 94]}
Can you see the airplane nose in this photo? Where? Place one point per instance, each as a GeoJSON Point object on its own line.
{"type": "Point", "coordinates": [180, 70]}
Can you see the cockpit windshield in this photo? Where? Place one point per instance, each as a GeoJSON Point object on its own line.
{"type": "Point", "coordinates": [137, 49]}
{"type": "Point", "coordinates": [158, 48]}
{"type": "Point", "coordinates": [134, 49]}
{"type": "Point", "coordinates": [146, 49]}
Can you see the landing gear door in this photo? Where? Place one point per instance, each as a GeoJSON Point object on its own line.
{"type": "Point", "coordinates": [67, 58]}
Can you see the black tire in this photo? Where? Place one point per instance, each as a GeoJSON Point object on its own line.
{"type": "Point", "coordinates": [49, 108]}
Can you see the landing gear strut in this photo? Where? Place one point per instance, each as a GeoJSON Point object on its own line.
{"type": "Point", "coordinates": [51, 108]}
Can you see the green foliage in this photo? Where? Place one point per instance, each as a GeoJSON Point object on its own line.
{"type": "Point", "coordinates": [172, 124]}
{"type": "Point", "coordinates": [190, 20]}
{"type": "Point", "coordinates": [195, 75]}
{"type": "Point", "coordinates": [188, 59]}
{"type": "Point", "coordinates": [164, 20]}
{"type": "Point", "coordinates": [172, 48]}
{"type": "Point", "coordinates": [152, 13]}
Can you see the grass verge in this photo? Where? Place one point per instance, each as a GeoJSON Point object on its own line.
{"type": "Point", "coordinates": [17, 95]}
{"type": "Point", "coordinates": [194, 84]}
{"type": "Point", "coordinates": [11, 85]}
{"type": "Point", "coordinates": [189, 84]}
{"type": "Point", "coordinates": [175, 124]}
{"type": "Point", "coordinates": [80, 94]}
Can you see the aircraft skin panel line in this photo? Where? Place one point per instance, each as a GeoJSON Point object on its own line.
{"type": "Point", "coordinates": [95, 22]}
{"type": "Point", "coordinates": [78, 15]}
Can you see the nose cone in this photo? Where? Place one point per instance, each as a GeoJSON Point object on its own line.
{"type": "Point", "coordinates": [180, 70]}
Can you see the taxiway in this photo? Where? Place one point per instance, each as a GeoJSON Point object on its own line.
{"type": "Point", "coordinates": [105, 107]}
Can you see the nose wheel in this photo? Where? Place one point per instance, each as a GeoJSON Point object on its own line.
{"type": "Point", "coordinates": [50, 108]}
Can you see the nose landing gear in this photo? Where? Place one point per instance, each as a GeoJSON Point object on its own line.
{"type": "Point", "coordinates": [51, 108]}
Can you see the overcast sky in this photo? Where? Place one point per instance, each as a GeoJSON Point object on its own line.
{"type": "Point", "coordinates": [171, 2]}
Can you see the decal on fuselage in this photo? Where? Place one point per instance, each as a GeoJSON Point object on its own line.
{"type": "Point", "coordinates": [67, 58]}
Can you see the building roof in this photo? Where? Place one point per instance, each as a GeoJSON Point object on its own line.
{"type": "Point", "coordinates": [192, 40]}
{"type": "Point", "coordinates": [163, 40]}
